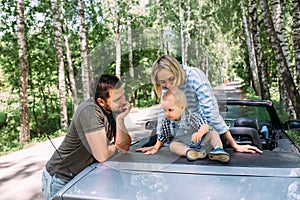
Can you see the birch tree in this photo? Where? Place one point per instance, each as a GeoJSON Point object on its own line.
{"type": "Point", "coordinates": [181, 18]}
{"type": "Point", "coordinates": [129, 39]}
{"type": "Point", "coordinates": [23, 82]}
{"type": "Point", "coordinates": [184, 29]}
{"type": "Point", "coordinates": [280, 58]}
{"type": "Point", "coordinates": [258, 56]}
{"type": "Point", "coordinates": [117, 38]}
{"type": "Point", "coordinates": [129, 44]}
{"type": "Point", "coordinates": [251, 53]}
{"type": "Point", "coordinates": [60, 61]}
{"type": "Point", "coordinates": [296, 38]}
{"type": "Point", "coordinates": [71, 69]}
{"type": "Point", "coordinates": [84, 51]}
{"type": "Point", "coordinates": [279, 26]}
{"type": "Point", "coordinates": [162, 42]}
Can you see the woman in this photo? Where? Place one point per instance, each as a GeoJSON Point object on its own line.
{"type": "Point", "coordinates": [167, 73]}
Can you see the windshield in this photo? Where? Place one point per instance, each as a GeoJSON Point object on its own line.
{"type": "Point", "coordinates": [232, 112]}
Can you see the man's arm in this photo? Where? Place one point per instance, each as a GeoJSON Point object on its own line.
{"type": "Point", "coordinates": [98, 143]}
{"type": "Point", "coordinates": [122, 139]}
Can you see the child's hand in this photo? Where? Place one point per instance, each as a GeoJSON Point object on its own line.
{"type": "Point", "coordinates": [151, 152]}
{"type": "Point", "coordinates": [144, 149]}
{"type": "Point", "coordinates": [197, 136]}
{"type": "Point", "coordinates": [147, 150]}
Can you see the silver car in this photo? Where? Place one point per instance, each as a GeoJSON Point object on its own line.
{"type": "Point", "coordinates": [275, 174]}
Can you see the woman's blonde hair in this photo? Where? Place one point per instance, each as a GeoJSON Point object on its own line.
{"type": "Point", "coordinates": [170, 64]}
{"type": "Point", "coordinates": [180, 98]}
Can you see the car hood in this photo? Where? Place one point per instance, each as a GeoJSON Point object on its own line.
{"type": "Point", "coordinates": [116, 179]}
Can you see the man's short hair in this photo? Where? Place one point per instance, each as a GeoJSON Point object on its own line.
{"type": "Point", "coordinates": [105, 83]}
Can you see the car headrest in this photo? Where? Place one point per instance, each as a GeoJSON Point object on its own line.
{"type": "Point", "coordinates": [246, 122]}
{"type": "Point", "coordinates": [246, 135]}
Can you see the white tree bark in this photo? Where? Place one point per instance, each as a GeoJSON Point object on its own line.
{"type": "Point", "coordinates": [84, 51]}
{"type": "Point", "coordinates": [60, 61]}
{"type": "Point", "coordinates": [23, 82]}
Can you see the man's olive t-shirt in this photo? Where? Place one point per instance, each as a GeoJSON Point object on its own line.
{"type": "Point", "coordinates": [74, 151]}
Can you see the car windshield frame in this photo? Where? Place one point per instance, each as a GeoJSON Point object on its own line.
{"type": "Point", "coordinates": [262, 110]}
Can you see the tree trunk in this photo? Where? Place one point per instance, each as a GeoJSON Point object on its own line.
{"type": "Point", "coordinates": [181, 19]}
{"type": "Point", "coordinates": [261, 67]}
{"type": "Point", "coordinates": [251, 53]}
{"type": "Point", "coordinates": [162, 42]}
{"type": "Point", "coordinates": [71, 70]}
{"type": "Point", "coordinates": [23, 82]}
{"type": "Point", "coordinates": [186, 32]}
{"type": "Point", "coordinates": [278, 21]}
{"type": "Point", "coordinates": [129, 44]}
{"type": "Point", "coordinates": [283, 97]}
{"type": "Point", "coordinates": [118, 40]}
{"type": "Point", "coordinates": [296, 39]}
{"type": "Point", "coordinates": [84, 51]}
{"type": "Point", "coordinates": [60, 61]}
{"type": "Point", "coordinates": [280, 58]}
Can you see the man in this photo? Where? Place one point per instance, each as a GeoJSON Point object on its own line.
{"type": "Point", "coordinates": [96, 123]}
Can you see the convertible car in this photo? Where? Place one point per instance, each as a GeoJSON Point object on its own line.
{"type": "Point", "coordinates": [274, 174]}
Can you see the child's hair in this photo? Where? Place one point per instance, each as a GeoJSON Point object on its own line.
{"type": "Point", "coordinates": [180, 98]}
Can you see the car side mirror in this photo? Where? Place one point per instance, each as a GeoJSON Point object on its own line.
{"type": "Point", "coordinates": [150, 125]}
{"type": "Point", "coordinates": [293, 125]}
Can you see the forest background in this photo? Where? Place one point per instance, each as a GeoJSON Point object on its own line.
{"type": "Point", "coordinates": [51, 52]}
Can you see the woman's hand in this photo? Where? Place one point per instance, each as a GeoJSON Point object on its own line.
{"type": "Point", "coordinates": [247, 149]}
{"type": "Point", "coordinates": [241, 148]}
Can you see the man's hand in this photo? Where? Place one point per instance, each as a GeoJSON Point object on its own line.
{"type": "Point", "coordinates": [125, 110]}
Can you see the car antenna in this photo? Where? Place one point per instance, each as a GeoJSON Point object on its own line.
{"type": "Point", "coordinates": [68, 169]}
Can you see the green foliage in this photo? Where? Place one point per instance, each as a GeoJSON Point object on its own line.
{"type": "Point", "coordinates": [9, 134]}
{"type": "Point", "coordinates": [295, 136]}
{"type": "Point", "coordinates": [3, 119]}
{"type": "Point", "coordinates": [138, 89]}
{"type": "Point", "coordinates": [44, 120]}
{"type": "Point", "coordinates": [216, 41]}
{"type": "Point", "coordinates": [249, 93]}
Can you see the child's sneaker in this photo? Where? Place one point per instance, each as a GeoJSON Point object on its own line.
{"type": "Point", "coordinates": [195, 154]}
{"type": "Point", "coordinates": [219, 154]}
{"type": "Point", "coordinates": [195, 145]}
